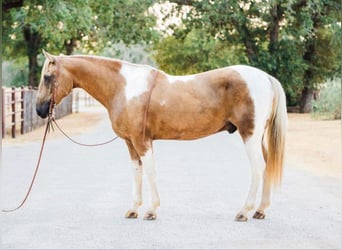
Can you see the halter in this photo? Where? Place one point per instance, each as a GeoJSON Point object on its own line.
{"type": "Point", "coordinates": [52, 120]}
{"type": "Point", "coordinates": [52, 106]}
{"type": "Point", "coordinates": [53, 91]}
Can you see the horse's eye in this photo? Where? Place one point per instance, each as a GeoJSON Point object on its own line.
{"type": "Point", "coordinates": [47, 78]}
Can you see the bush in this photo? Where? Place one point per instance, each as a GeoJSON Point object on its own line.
{"type": "Point", "coordinates": [15, 73]}
{"type": "Point", "coordinates": [328, 106]}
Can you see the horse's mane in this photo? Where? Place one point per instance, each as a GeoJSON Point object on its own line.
{"type": "Point", "coordinates": [103, 58]}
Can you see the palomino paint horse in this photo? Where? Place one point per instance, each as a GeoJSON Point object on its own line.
{"type": "Point", "coordinates": [146, 104]}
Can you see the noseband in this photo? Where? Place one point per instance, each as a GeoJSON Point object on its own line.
{"type": "Point", "coordinates": [53, 91]}
{"type": "Point", "coordinates": [52, 106]}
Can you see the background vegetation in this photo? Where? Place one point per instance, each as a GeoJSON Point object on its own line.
{"type": "Point", "coordinates": [328, 105]}
{"type": "Point", "coordinates": [297, 41]}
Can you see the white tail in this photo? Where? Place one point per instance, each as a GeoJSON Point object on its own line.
{"type": "Point", "coordinates": [276, 132]}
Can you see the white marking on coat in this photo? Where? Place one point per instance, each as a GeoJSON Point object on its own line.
{"type": "Point", "coordinates": [173, 79]}
{"type": "Point", "coordinates": [260, 89]}
{"type": "Point", "coordinates": [150, 170]}
{"type": "Point", "coordinates": [136, 79]}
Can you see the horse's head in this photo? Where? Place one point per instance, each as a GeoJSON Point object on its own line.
{"type": "Point", "coordinates": [55, 84]}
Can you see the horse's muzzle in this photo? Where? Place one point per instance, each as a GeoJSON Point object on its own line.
{"type": "Point", "coordinates": [42, 109]}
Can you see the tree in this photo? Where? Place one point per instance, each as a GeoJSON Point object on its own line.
{"type": "Point", "coordinates": [275, 36]}
{"type": "Point", "coordinates": [195, 52]}
{"type": "Point", "coordinates": [37, 24]}
{"type": "Point", "coordinates": [320, 24]}
{"type": "Point", "coordinates": [63, 26]}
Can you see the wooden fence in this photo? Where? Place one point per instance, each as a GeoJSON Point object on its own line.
{"type": "Point", "coordinates": [19, 110]}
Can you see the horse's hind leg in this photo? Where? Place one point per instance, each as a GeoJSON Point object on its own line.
{"type": "Point", "coordinates": [137, 183]}
{"type": "Point", "coordinates": [255, 156]}
{"type": "Point", "coordinates": [266, 194]}
{"type": "Point", "coordinates": [265, 200]}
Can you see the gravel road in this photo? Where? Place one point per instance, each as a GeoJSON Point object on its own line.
{"type": "Point", "coordinates": [81, 195]}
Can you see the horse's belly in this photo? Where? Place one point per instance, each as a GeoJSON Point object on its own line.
{"type": "Point", "coordinates": [187, 126]}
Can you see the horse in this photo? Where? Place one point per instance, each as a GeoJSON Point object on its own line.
{"type": "Point", "coordinates": [146, 104]}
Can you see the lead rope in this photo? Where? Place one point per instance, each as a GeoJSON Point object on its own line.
{"type": "Point", "coordinates": [49, 126]}
{"type": "Point", "coordinates": [79, 143]}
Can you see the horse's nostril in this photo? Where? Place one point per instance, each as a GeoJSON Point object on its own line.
{"type": "Point", "coordinates": [43, 109]}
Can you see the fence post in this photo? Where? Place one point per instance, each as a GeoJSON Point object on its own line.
{"type": "Point", "coordinates": [13, 112]}
{"type": "Point", "coordinates": [22, 92]}
{"type": "Point", "coordinates": [3, 113]}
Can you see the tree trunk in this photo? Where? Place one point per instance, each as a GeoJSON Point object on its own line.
{"type": "Point", "coordinates": [306, 100]}
{"type": "Point", "coordinates": [70, 45]}
{"type": "Point", "coordinates": [33, 40]}
{"type": "Point", "coordinates": [12, 4]}
{"type": "Point", "coordinates": [276, 13]}
{"type": "Point", "coordinates": [310, 57]}
{"type": "Point", "coordinates": [246, 37]}
{"type": "Point", "coordinates": [33, 71]}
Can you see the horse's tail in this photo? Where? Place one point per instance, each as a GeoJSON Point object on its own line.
{"type": "Point", "coordinates": [276, 131]}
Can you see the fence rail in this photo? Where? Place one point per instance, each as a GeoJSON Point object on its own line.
{"type": "Point", "coordinates": [13, 99]}
{"type": "Point", "coordinates": [19, 111]}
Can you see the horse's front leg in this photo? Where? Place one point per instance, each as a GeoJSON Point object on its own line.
{"type": "Point", "coordinates": [149, 169]}
{"type": "Point", "coordinates": [137, 182]}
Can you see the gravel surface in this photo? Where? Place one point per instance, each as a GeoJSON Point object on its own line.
{"type": "Point", "coordinates": [81, 195]}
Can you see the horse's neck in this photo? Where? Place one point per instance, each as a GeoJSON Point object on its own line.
{"type": "Point", "coordinates": [100, 78]}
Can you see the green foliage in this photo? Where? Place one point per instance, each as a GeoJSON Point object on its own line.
{"type": "Point", "coordinates": [328, 106]}
{"type": "Point", "coordinates": [196, 52]}
{"type": "Point", "coordinates": [132, 23]}
{"type": "Point", "coordinates": [15, 73]}
{"type": "Point", "coordinates": [296, 41]}
{"type": "Point", "coordinates": [52, 21]}
{"type": "Point", "coordinates": [136, 53]}
{"type": "Point", "coordinates": [64, 26]}
{"type": "Point", "coordinates": [287, 66]}
{"type": "Point", "coordinates": [89, 24]}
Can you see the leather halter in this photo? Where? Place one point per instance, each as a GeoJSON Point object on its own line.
{"type": "Point", "coordinates": [52, 120]}
{"type": "Point", "coordinates": [53, 91]}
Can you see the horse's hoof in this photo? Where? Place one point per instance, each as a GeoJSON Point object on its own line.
{"type": "Point", "coordinates": [260, 215]}
{"type": "Point", "coordinates": [241, 218]}
{"type": "Point", "coordinates": [131, 215]}
{"type": "Point", "coordinates": [150, 216]}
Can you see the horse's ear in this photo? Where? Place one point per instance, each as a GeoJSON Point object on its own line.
{"type": "Point", "coordinates": [50, 57]}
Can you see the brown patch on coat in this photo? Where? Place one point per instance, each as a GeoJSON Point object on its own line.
{"type": "Point", "coordinates": [211, 102]}
{"type": "Point", "coordinates": [129, 122]}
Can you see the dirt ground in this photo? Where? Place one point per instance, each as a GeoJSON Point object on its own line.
{"type": "Point", "coordinates": [312, 145]}
{"type": "Point", "coordinates": [74, 124]}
